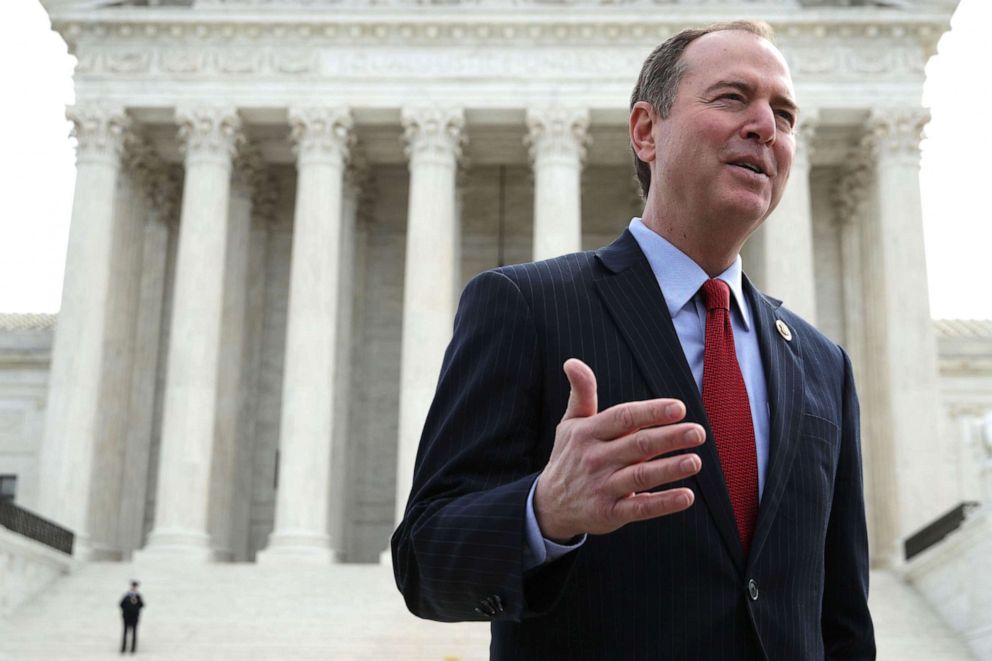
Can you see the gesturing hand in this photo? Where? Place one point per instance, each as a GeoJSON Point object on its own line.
{"type": "Point", "coordinates": [603, 463]}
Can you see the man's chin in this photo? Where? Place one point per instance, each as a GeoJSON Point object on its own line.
{"type": "Point", "coordinates": [746, 211]}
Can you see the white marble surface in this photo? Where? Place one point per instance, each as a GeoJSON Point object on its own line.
{"type": "Point", "coordinates": [27, 569]}
{"type": "Point", "coordinates": [340, 612]}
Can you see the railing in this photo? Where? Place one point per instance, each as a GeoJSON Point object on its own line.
{"type": "Point", "coordinates": [938, 530]}
{"type": "Point", "coordinates": [26, 523]}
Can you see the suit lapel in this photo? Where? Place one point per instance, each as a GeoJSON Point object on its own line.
{"type": "Point", "coordinates": [632, 295]}
{"type": "Point", "coordinates": [784, 381]}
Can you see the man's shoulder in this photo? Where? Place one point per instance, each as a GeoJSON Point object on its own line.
{"type": "Point", "coordinates": [548, 274]}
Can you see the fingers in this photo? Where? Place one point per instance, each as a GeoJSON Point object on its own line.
{"type": "Point", "coordinates": [648, 443]}
{"type": "Point", "coordinates": [622, 419]}
{"type": "Point", "coordinates": [644, 506]}
{"type": "Point", "coordinates": [582, 400]}
{"type": "Point", "coordinates": [650, 474]}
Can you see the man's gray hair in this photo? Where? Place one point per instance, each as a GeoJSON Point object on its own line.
{"type": "Point", "coordinates": [662, 72]}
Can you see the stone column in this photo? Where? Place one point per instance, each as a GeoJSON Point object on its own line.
{"type": "Point", "coordinates": [784, 242]}
{"type": "Point", "coordinates": [900, 348]}
{"type": "Point", "coordinates": [355, 188]}
{"type": "Point", "coordinates": [557, 139]}
{"type": "Point", "coordinates": [265, 197]}
{"type": "Point", "coordinates": [431, 277]}
{"type": "Point", "coordinates": [160, 187]}
{"type": "Point", "coordinates": [985, 452]}
{"type": "Point", "coordinates": [80, 354]}
{"type": "Point", "coordinates": [210, 136]}
{"type": "Point", "coordinates": [308, 401]}
{"type": "Point", "coordinates": [231, 382]}
{"type": "Point", "coordinates": [854, 203]}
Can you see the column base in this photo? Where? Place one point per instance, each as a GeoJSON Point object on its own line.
{"type": "Point", "coordinates": [176, 545]}
{"type": "Point", "coordinates": [84, 550]}
{"type": "Point", "coordinates": [294, 548]}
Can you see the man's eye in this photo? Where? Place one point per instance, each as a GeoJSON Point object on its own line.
{"type": "Point", "coordinates": [787, 116]}
{"type": "Point", "coordinates": [732, 96]}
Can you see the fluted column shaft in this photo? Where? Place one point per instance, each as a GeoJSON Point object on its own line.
{"type": "Point", "coordinates": [210, 136]}
{"type": "Point", "coordinates": [356, 187]}
{"type": "Point", "coordinates": [900, 344]}
{"type": "Point", "coordinates": [229, 440]}
{"type": "Point", "coordinates": [787, 235]}
{"type": "Point", "coordinates": [80, 354]}
{"type": "Point", "coordinates": [308, 402]}
{"type": "Point", "coordinates": [161, 184]}
{"type": "Point", "coordinates": [557, 138]}
{"type": "Point", "coordinates": [431, 276]}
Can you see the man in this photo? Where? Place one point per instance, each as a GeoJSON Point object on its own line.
{"type": "Point", "coordinates": [690, 487]}
{"type": "Point", "coordinates": [131, 606]}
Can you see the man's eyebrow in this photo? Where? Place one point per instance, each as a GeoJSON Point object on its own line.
{"type": "Point", "coordinates": [747, 88]}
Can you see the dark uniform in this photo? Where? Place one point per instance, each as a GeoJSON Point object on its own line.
{"type": "Point", "coordinates": [131, 606]}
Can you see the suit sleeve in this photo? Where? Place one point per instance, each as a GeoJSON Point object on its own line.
{"type": "Point", "coordinates": [847, 627]}
{"type": "Point", "coordinates": [458, 553]}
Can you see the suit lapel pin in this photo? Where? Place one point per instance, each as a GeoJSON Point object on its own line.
{"type": "Point", "coordinates": [783, 330]}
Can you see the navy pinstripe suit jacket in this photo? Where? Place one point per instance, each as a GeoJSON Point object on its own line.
{"type": "Point", "coordinates": [676, 587]}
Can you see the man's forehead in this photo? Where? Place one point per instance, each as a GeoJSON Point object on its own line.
{"type": "Point", "coordinates": [735, 53]}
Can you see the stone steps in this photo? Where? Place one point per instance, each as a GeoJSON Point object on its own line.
{"type": "Point", "coordinates": [341, 612]}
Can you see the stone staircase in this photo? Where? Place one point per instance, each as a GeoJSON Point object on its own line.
{"type": "Point", "coordinates": [342, 612]}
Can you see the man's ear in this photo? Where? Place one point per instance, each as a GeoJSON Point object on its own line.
{"type": "Point", "coordinates": [642, 120]}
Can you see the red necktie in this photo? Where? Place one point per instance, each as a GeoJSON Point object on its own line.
{"type": "Point", "coordinates": [725, 401]}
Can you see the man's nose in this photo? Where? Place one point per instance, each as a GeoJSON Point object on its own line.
{"type": "Point", "coordinates": [760, 124]}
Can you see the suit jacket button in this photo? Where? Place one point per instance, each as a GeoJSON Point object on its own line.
{"type": "Point", "coordinates": [752, 589]}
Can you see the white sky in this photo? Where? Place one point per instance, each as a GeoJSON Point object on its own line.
{"type": "Point", "coordinates": [37, 171]}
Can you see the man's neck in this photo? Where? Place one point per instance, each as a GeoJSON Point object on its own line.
{"type": "Point", "coordinates": [712, 254]}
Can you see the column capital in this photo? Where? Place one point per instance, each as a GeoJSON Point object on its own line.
{"type": "Point", "coordinates": [247, 167]}
{"type": "Point", "coordinates": [433, 131]}
{"type": "Point", "coordinates": [159, 182]}
{"type": "Point", "coordinates": [265, 197]}
{"type": "Point", "coordinates": [166, 193]}
{"type": "Point", "coordinates": [321, 133]}
{"type": "Point", "coordinates": [139, 159]}
{"type": "Point", "coordinates": [209, 132]}
{"type": "Point", "coordinates": [895, 131]}
{"type": "Point", "coordinates": [850, 190]}
{"type": "Point", "coordinates": [358, 178]}
{"type": "Point", "coordinates": [557, 131]}
{"type": "Point", "coordinates": [356, 173]}
{"type": "Point", "coordinates": [805, 135]}
{"type": "Point", "coordinates": [99, 132]}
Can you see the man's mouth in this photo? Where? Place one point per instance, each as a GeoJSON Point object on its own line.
{"type": "Point", "coordinates": [749, 166]}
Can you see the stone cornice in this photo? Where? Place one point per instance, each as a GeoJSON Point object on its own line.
{"type": "Point", "coordinates": [330, 48]}
{"type": "Point", "coordinates": [536, 27]}
{"type": "Point", "coordinates": [238, 61]}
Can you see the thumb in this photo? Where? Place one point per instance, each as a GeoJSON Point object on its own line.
{"type": "Point", "coordinates": [582, 401]}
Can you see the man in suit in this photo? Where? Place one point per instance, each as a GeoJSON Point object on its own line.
{"type": "Point", "coordinates": [131, 605]}
{"type": "Point", "coordinates": [633, 453]}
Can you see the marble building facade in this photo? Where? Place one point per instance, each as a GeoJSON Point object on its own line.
{"type": "Point", "coordinates": [277, 203]}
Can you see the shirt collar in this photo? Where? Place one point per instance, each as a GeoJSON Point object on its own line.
{"type": "Point", "coordinates": [680, 277]}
